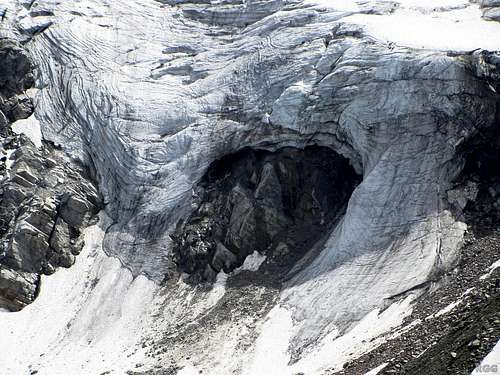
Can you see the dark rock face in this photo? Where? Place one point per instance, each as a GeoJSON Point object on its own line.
{"type": "Point", "coordinates": [277, 203]}
{"type": "Point", "coordinates": [482, 168]}
{"type": "Point", "coordinates": [46, 200]}
{"type": "Point", "coordinates": [15, 77]}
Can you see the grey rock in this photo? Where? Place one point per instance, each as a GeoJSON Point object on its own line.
{"type": "Point", "coordinates": [17, 288]}
{"type": "Point", "coordinates": [46, 198]}
{"type": "Point", "coordinates": [16, 75]}
{"type": "Point", "coordinates": [75, 210]}
{"type": "Point", "coordinates": [265, 202]}
{"type": "Point", "coordinates": [42, 221]}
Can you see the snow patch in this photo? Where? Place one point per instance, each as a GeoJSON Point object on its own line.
{"type": "Point", "coordinates": [271, 349]}
{"type": "Point", "coordinates": [9, 162]}
{"type": "Point", "coordinates": [29, 127]}
{"type": "Point", "coordinates": [86, 317]}
{"type": "Point", "coordinates": [456, 30]}
{"type": "Point", "coordinates": [252, 262]}
{"type": "Point", "coordinates": [491, 268]}
{"type": "Point", "coordinates": [188, 370]}
{"type": "Point", "coordinates": [334, 351]}
{"type": "Point", "coordinates": [447, 309]}
{"type": "Point", "coordinates": [377, 369]}
{"type": "Point", "coordinates": [218, 289]}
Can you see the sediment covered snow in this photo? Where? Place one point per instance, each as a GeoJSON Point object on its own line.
{"type": "Point", "coordinates": [377, 369]}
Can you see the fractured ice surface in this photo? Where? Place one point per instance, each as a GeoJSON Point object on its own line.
{"type": "Point", "coordinates": [149, 94]}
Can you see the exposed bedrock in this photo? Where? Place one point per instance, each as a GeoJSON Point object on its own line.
{"type": "Point", "coordinates": [45, 198]}
{"type": "Point", "coordinates": [46, 202]}
{"type": "Point", "coordinates": [479, 181]}
{"type": "Point", "coordinates": [16, 77]}
{"type": "Point", "coordinates": [277, 203]}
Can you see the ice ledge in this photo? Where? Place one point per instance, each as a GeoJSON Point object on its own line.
{"type": "Point", "coordinates": [448, 25]}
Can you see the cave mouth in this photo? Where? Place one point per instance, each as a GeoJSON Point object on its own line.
{"type": "Point", "coordinates": [279, 204]}
{"type": "Point", "coordinates": [482, 173]}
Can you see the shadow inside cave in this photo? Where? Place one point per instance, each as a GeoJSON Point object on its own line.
{"type": "Point", "coordinates": [282, 204]}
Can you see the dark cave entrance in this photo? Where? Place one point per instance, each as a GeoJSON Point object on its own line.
{"type": "Point", "coordinates": [277, 203]}
{"type": "Point", "coordinates": [482, 168]}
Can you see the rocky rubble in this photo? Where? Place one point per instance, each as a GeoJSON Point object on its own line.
{"type": "Point", "coordinates": [46, 200]}
{"type": "Point", "coordinates": [452, 329]}
{"type": "Point", "coordinates": [277, 203]}
{"type": "Point", "coordinates": [15, 78]}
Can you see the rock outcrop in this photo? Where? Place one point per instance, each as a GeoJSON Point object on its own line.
{"type": "Point", "coordinates": [277, 203]}
{"type": "Point", "coordinates": [46, 200]}
{"type": "Point", "coordinates": [16, 77]}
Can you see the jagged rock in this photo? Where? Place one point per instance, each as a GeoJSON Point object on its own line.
{"type": "Point", "coordinates": [17, 288]}
{"type": "Point", "coordinates": [46, 199]}
{"type": "Point", "coordinates": [16, 75]}
{"type": "Point", "coordinates": [75, 210]}
{"type": "Point", "coordinates": [41, 218]}
{"type": "Point", "coordinates": [265, 202]}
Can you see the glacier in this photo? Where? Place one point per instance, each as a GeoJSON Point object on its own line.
{"type": "Point", "coordinates": [148, 94]}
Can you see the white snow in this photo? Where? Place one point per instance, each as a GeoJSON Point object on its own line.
{"type": "Point", "coordinates": [427, 24]}
{"type": "Point", "coordinates": [252, 262]}
{"type": "Point", "coordinates": [460, 30]}
{"type": "Point", "coordinates": [377, 369]}
{"type": "Point", "coordinates": [86, 317]}
{"type": "Point", "coordinates": [31, 128]}
{"type": "Point", "coordinates": [446, 309]}
{"type": "Point", "coordinates": [188, 370]}
{"type": "Point", "coordinates": [218, 289]}
{"type": "Point", "coordinates": [271, 349]}
{"type": "Point", "coordinates": [9, 161]}
{"type": "Point", "coordinates": [491, 268]}
{"type": "Point", "coordinates": [491, 363]}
